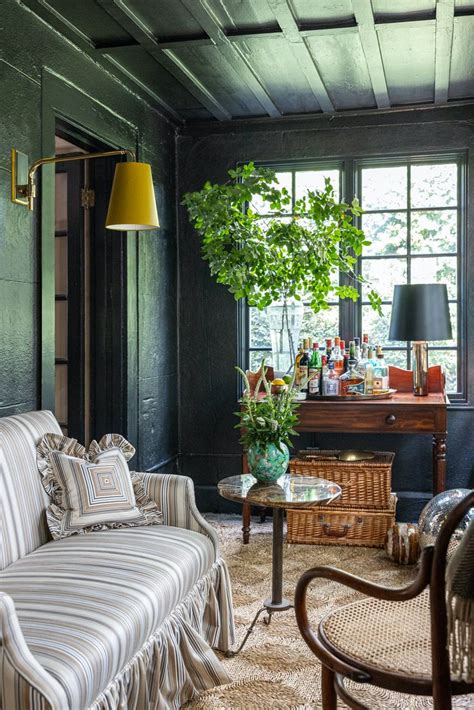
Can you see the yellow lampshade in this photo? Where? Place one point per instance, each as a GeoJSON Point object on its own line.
{"type": "Point", "coordinates": [132, 202]}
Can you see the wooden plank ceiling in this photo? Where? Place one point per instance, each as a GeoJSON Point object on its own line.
{"type": "Point", "coordinates": [231, 59]}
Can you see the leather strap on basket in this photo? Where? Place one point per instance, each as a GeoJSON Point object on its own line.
{"type": "Point", "coordinates": [344, 529]}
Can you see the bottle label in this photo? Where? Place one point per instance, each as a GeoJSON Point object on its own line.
{"type": "Point", "coordinates": [331, 387]}
{"type": "Point", "coordinates": [314, 381]}
{"type": "Point", "coordinates": [356, 388]}
{"type": "Point", "coordinates": [302, 373]}
{"type": "Point", "coordinates": [380, 382]}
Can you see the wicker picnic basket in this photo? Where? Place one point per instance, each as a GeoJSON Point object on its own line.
{"type": "Point", "coordinates": [364, 483]}
{"type": "Point", "coordinates": [341, 525]}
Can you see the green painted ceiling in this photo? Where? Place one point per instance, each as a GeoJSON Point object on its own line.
{"type": "Point", "coordinates": [231, 59]}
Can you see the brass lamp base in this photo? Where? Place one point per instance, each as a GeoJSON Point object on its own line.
{"type": "Point", "coordinates": [420, 368]}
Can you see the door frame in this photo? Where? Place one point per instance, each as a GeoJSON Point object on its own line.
{"type": "Point", "coordinates": [63, 103]}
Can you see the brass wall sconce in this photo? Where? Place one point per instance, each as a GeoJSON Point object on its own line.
{"type": "Point", "coordinates": [132, 204]}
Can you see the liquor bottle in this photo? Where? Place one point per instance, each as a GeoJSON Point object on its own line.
{"type": "Point", "coordinates": [337, 356]}
{"type": "Point", "coordinates": [303, 368]}
{"type": "Point", "coordinates": [365, 346]}
{"type": "Point", "coordinates": [380, 372]}
{"type": "Point", "coordinates": [297, 364]}
{"type": "Point", "coordinates": [345, 366]}
{"type": "Point", "coordinates": [369, 379]}
{"type": "Point", "coordinates": [352, 350]}
{"type": "Point", "coordinates": [331, 381]}
{"type": "Point", "coordinates": [357, 349]}
{"type": "Point", "coordinates": [328, 348]}
{"type": "Point", "coordinates": [351, 381]}
{"type": "Point", "coordinates": [314, 373]}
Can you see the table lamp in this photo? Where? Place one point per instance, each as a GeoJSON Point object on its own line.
{"type": "Point", "coordinates": [420, 312]}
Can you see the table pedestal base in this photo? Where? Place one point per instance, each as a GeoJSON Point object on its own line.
{"type": "Point", "coordinates": [276, 602]}
{"type": "Point", "coordinates": [271, 608]}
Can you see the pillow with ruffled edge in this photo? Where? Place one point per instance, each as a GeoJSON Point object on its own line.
{"type": "Point", "coordinates": [109, 444]}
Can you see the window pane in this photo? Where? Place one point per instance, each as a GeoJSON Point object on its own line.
{"type": "Point", "coordinates": [448, 359]}
{"type": "Point", "coordinates": [383, 274]}
{"type": "Point", "coordinates": [314, 180]}
{"type": "Point", "coordinates": [261, 206]}
{"type": "Point", "coordinates": [397, 358]}
{"type": "Point", "coordinates": [453, 312]}
{"type": "Point", "coordinates": [434, 185]}
{"type": "Point", "coordinates": [384, 188]}
{"type": "Point", "coordinates": [377, 326]}
{"type": "Point", "coordinates": [434, 231]}
{"type": "Point", "coordinates": [435, 269]}
{"type": "Point", "coordinates": [387, 232]}
{"type": "Point", "coordinates": [256, 357]}
{"type": "Point", "coordinates": [259, 330]}
{"type": "Point", "coordinates": [318, 326]}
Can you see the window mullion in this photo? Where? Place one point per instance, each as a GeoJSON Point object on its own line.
{"type": "Point", "coordinates": [348, 316]}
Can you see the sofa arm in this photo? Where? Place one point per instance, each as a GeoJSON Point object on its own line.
{"type": "Point", "coordinates": [174, 495]}
{"type": "Point", "coordinates": [22, 677]}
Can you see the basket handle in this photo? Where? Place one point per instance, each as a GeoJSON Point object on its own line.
{"type": "Point", "coordinates": [336, 533]}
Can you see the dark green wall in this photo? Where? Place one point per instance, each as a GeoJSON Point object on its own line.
{"type": "Point", "coordinates": [208, 313]}
{"type": "Point", "coordinates": [43, 76]}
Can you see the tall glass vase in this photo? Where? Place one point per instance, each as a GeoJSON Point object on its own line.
{"type": "Point", "coordinates": [284, 320]}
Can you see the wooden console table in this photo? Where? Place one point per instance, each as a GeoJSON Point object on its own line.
{"type": "Point", "coordinates": [402, 414]}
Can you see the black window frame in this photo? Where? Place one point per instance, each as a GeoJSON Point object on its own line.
{"type": "Point", "coordinates": [350, 314]}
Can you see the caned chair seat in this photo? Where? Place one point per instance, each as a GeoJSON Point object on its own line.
{"type": "Point", "coordinates": [389, 636]}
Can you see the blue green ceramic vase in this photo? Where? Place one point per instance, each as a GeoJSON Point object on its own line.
{"type": "Point", "coordinates": [267, 463]}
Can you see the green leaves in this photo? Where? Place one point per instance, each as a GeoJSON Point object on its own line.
{"type": "Point", "coordinates": [266, 259]}
{"type": "Point", "coordinates": [270, 419]}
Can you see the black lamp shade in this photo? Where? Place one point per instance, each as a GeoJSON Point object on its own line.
{"type": "Point", "coordinates": [420, 312]}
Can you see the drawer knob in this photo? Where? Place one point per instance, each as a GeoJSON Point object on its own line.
{"type": "Point", "coordinates": [391, 419]}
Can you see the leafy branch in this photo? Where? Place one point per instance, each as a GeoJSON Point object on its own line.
{"type": "Point", "coordinates": [267, 259]}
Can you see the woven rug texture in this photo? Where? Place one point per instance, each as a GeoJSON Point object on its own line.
{"type": "Point", "coordinates": [276, 669]}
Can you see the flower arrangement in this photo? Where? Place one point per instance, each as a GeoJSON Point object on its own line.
{"type": "Point", "coordinates": [267, 419]}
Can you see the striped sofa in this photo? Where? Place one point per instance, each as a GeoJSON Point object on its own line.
{"type": "Point", "coordinates": [113, 619]}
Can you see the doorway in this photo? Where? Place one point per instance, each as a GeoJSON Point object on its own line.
{"type": "Point", "coordinates": [90, 296]}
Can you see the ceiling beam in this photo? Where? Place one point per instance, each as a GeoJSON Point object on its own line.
{"type": "Point", "coordinates": [371, 48]}
{"type": "Point", "coordinates": [307, 29]}
{"type": "Point", "coordinates": [443, 48]}
{"type": "Point", "coordinates": [61, 24]}
{"type": "Point", "coordinates": [289, 27]}
{"type": "Point", "coordinates": [232, 53]}
{"type": "Point", "coordinates": [146, 39]}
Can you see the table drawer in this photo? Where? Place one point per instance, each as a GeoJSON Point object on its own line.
{"type": "Point", "coordinates": [376, 418]}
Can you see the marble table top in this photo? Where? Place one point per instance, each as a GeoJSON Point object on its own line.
{"type": "Point", "coordinates": [287, 492]}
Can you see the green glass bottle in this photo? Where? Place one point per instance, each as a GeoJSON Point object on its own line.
{"type": "Point", "coordinates": [314, 373]}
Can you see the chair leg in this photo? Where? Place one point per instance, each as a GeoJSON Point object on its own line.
{"type": "Point", "coordinates": [328, 691]}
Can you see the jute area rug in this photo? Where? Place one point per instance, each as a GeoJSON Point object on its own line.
{"type": "Point", "coordinates": [276, 669]}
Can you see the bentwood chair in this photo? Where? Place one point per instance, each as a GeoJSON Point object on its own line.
{"type": "Point", "coordinates": [395, 639]}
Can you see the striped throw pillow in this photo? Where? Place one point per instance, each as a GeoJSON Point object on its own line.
{"type": "Point", "coordinates": [92, 490]}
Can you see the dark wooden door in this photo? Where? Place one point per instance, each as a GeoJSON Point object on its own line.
{"type": "Point", "coordinates": [70, 324]}
{"type": "Point", "coordinates": [91, 305]}
{"type": "Point", "coordinates": [109, 297]}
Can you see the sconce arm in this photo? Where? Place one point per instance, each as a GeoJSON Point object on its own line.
{"type": "Point", "coordinates": [31, 190]}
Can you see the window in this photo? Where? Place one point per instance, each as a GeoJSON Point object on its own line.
{"type": "Point", "coordinates": [413, 215]}
{"type": "Point", "coordinates": [297, 182]}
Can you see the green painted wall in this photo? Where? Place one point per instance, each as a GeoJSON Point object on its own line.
{"type": "Point", "coordinates": [41, 76]}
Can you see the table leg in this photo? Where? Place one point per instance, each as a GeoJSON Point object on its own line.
{"type": "Point", "coordinates": [439, 463]}
{"type": "Point", "coordinates": [246, 508]}
{"type": "Point", "coordinates": [246, 523]}
{"type": "Point", "coordinates": [277, 603]}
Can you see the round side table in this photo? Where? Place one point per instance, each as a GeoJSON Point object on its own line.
{"type": "Point", "coordinates": [287, 492]}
